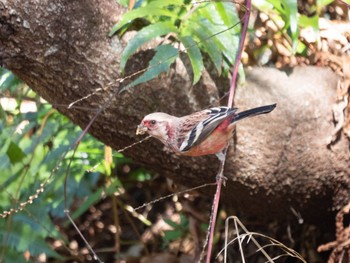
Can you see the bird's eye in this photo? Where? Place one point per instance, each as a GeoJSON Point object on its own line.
{"type": "Point", "coordinates": [152, 122]}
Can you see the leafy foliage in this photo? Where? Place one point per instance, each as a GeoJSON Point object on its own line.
{"type": "Point", "coordinates": [35, 149]}
{"type": "Point", "coordinates": [164, 57]}
{"type": "Point", "coordinates": [179, 230]}
{"type": "Point", "coordinates": [209, 27]}
{"type": "Point", "coordinates": [285, 14]}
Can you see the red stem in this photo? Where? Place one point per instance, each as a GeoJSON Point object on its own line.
{"type": "Point", "coordinates": [213, 215]}
{"type": "Point", "coordinates": [230, 104]}
{"type": "Point", "coordinates": [239, 53]}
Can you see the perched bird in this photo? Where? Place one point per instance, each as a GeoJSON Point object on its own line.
{"type": "Point", "coordinates": [201, 133]}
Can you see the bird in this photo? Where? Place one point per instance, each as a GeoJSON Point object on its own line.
{"type": "Point", "coordinates": [201, 133]}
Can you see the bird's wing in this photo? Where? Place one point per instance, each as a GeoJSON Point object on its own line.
{"type": "Point", "coordinates": [199, 131]}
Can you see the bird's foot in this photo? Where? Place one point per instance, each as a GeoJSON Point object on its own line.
{"type": "Point", "coordinates": [221, 178]}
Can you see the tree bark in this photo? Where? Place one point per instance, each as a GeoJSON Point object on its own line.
{"type": "Point", "coordinates": [277, 163]}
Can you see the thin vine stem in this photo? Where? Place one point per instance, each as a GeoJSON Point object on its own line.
{"type": "Point", "coordinates": [239, 53]}
{"type": "Point", "coordinates": [229, 104]}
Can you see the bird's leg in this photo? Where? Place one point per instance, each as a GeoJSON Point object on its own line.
{"type": "Point", "coordinates": [222, 157]}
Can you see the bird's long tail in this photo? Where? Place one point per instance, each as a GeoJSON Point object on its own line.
{"type": "Point", "coordinates": [254, 112]}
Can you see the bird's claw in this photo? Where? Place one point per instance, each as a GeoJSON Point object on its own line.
{"type": "Point", "coordinates": [221, 178]}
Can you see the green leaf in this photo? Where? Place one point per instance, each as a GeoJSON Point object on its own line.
{"type": "Point", "coordinates": [11, 179]}
{"type": "Point", "coordinates": [301, 49]}
{"type": "Point", "coordinates": [140, 175]}
{"type": "Point", "coordinates": [278, 5]}
{"type": "Point", "coordinates": [171, 235]}
{"type": "Point", "coordinates": [4, 162]}
{"type": "Point", "coordinates": [222, 11]}
{"type": "Point", "coordinates": [139, 13]}
{"type": "Point", "coordinates": [144, 35]}
{"type": "Point", "coordinates": [288, 11]}
{"type": "Point", "coordinates": [262, 5]}
{"type": "Point", "coordinates": [221, 17]}
{"type": "Point", "coordinates": [291, 7]}
{"type": "Point", "coordinates": [39, 246]}
{"type": "Point", "coordinates": [195, 56]}
{"type": "Point", "coordinates": [227, 42]}
{"type": "Point", "coordinates": [154, 8]}
{"type": "Point", "coordinates": [172, 223]}
{"type": "Point", "coordinates": [15, 153]}
{"type": "Point", "coordinates": [305, 21]}
{"type": "Point", "coordinates": [183, 221]}
{"type": "Point", "coordinates": [209, 44]}
{"type": "Point", "coordinates": [164, 57]}
{"type": "Point", "coordinates": [221, 23]}
{"type": "Point", "coordinates": [8, 80]}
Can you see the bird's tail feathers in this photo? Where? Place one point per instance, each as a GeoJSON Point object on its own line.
{"type": "Point", "coordinates": [254, 112]}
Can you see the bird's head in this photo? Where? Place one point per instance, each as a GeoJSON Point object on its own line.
{"type": "Point", "coordinates": [155, 124]}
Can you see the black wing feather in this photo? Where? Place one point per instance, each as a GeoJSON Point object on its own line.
{"type": "Point", "coordinates": [204, 128]}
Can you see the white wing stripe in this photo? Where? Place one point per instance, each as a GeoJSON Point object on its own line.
{"type": "Point", "coordinates": [216, 114]}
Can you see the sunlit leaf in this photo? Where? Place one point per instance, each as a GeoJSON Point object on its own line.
{"type": "Point", "coordinates": [279, 6]}
{"type": "Point", "coordinates": [8, 80]}
{"type": "Point", "coordinates": [223, 24]}
{"type": "Point", "coordinates": [223, 12]}
{"type": "Point", "coordinates": [154, 8]}
{"type": "Point", "coordinates": [138, 13]}
{"type": "Point", "coordinates": [291, 8]}
{"type": "Point", "coordinates": [164, 57]}
{"type": "Point", "coordinates": [305, 21]}
{"type": "Point", "coordinates": [301, 48]}
{"type": "Point", "coordinates": [144, 35]}
{"type": "Point", "coordinates": [209, 44]}
{"type": "Point", "coordinates": [195, 56]}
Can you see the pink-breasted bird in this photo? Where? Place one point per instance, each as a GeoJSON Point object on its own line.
{"type": "Point", "coordinates": [201, 133]}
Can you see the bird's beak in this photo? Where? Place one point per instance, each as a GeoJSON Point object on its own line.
{"type": "Point", "coordinates": [141, 129]}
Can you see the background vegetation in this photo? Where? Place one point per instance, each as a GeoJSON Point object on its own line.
{"type": "Point", "coordinates": [37, 143]}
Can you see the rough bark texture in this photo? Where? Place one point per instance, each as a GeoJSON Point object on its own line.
{"type": "Point", "coordinates": [278, 162]}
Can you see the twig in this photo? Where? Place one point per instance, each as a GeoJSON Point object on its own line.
{"type": "Point", "coordinates": [229, 104]}
{"type": "Point", "coordinates": [239, 53]}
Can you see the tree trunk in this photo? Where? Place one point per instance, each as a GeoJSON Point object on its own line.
{"type": "Point", "coordinates": [278, 162]}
